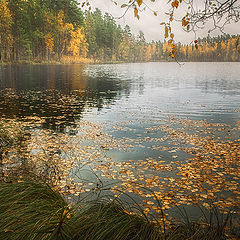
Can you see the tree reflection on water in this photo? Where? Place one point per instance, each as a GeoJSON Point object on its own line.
{"type": "Point", "coordinates": [59, 94]}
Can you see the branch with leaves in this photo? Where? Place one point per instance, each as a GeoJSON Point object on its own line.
{"type": "Point", "coordinates": [198, 13]}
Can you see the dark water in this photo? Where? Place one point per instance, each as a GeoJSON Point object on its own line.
{"type": "Point", "coordinates": [132, 95]}
{"type": "Point", "coordinates": [196, 90]}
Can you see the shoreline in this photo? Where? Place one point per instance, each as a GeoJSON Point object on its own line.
{"type": "Point", "coordinates": [85, 61]}
{"type": "Point", "coordinates": [91, 61]}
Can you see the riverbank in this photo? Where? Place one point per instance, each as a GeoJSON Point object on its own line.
{"type": "Point", "coordinates": [64, 60]}
{"type": "Point", "coordinates": [68, 60]}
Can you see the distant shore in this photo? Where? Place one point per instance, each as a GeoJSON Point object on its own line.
{"type": "Point", "coordinates": [90, 61]}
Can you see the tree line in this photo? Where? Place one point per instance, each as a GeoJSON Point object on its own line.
{"type": "Point", "coordinates": [40, 30]}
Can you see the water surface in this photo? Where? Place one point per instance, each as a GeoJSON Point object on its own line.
{"type": "Point", "coordinates": [149, 112]}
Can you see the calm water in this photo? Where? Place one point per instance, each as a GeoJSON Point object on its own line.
{"type": "Point", "coordinates": [123, 91]}
{"type": "Point", "coordinates": [133, 103]}
{"type": "Point", "coordinates": [135, 96]}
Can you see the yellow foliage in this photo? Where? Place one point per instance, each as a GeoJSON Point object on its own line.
{"type": "Point", "coordinates": [49, 42]}
{"type": "Point", "coordinates": [60, 18]}
{"type": "Point", "coordinates": [63, 27]}
{"type": "Point", "coordinates": [6, 39]}
{"type": "Point", "coordinates": [166, 47]}
{"type": "Point", "coordinates": [223, 45]}
{"type": "Point", "coordinates": [148, 54]}
{"type": "Point", "coordinates": [124, 48]}
{"type": "Point", "coordinates": [75, 59]}
{"type": "Point", "coordinates": [78, 45]}
{"type": "Point", "coordinates": [5, 16]}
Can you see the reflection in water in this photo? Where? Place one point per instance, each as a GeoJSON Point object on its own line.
{"type": "Point", "coordinates": [56, 93]}
{"type": "Point", "coordinates": [43, 77]}
{"type": "Point", "coordinates": [154, 116]}
{"type": "Point", "coordinates": [60, 94]}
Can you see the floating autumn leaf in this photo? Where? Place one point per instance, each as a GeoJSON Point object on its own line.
{"type": "Point", "coordinates": [210, 166]}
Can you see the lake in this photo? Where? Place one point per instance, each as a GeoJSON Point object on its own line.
{"type": "Point", "coordinates": [195, 90]}
{"type": "Point", "coordinates": [154, 124]}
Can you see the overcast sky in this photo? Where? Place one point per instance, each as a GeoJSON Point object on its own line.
{"type": "Point", "coordinates": [150, 24]}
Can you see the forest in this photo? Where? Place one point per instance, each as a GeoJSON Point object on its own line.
{"type": "Point", "coordinates": [50, 30]}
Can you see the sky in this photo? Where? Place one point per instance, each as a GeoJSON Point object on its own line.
{"type": "Point", "coordinates": [150, 24]}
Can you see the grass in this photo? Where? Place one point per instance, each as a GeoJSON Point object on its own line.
{"type": "Point", "coordinates": [30, 210]}
{"type": "Point", "coordinates": [108, 220]}
{"type": "Point", "coordinates": [33, 210]}
{"type": "Point", "coordinates": [64, 60]}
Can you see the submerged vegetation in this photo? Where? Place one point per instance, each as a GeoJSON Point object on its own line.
{"type": "Point", "coordinates": [53, 31]}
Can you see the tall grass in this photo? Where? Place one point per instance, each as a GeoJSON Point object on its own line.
{"type": "Point", "coordinates": [30, 210]}
{"type": "Point", "coordinates": [75, 59]}
{"type": "Point", "coordinates": [34, 211]}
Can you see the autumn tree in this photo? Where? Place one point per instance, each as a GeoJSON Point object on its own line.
{"type": "Point", "coordinates": [78, 45]}
{"type": "Point", "coordinates": [48, 29]}
{"type": "Point", "coordinates": [195, 15]}
{"type": "Point", "coordinates": [6, 39]}
{"type": "Point", "coordinates": [63, 32]}
{"type": "Point", "coordinates": [125, 48]}
{"type": "Point", "coordinates": [37, 29]}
